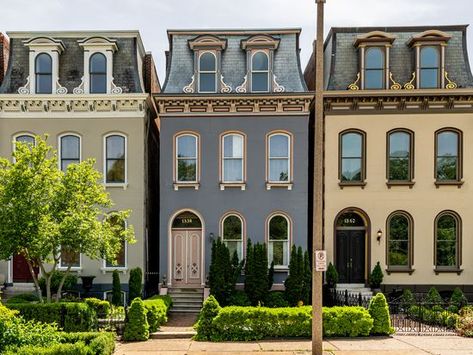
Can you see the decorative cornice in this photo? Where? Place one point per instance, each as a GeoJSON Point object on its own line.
{"type": "Point", "coordinates": [260, 41]}
{"type": "Point", "coordinates": [26, 89]}
{"type": "Point", "coordinates": [207, 42]}
{"type": "Point", "coordinates": [296, 103]}
{"type": "Point", "coordinates": [395, 101]}
{"type": "Point", "coordinates": [72, 103]}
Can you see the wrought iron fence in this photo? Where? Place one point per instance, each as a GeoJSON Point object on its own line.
{"type": "Point", "coordinates": [115, 322]}
{"type": "Point", "coordinates": [344, 298]}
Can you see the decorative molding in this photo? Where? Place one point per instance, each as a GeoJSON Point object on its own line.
{"type": "Point", "coordinates": [25, 90]}
{"type": "Point", "coordinates": [354, 86]}
{"type": "Point", "coordinates": [80, 89]}
{"type": "Point", "coordinates": [60, 90]}
{"type": "Point", "coordinates": [410, 84]}
{"type": "Point", "coordinates": [451, 85]}
{"type": "Point", "coordinates": [395, 85]}
{"type": "Point", "coordinates": [207, 42]}
{"type": "Point", "coordinates": [225, 89]}
{"type": "Point", "coordinates": [242, 89]}
{"type": "Point", "coordinates": [190, 89]}
{"type": "Point", "coordinates": [276, 86]}
{"type": "Point", "coordinates": [374, 37]}
{"type": "Point", "coordinates": [429, 36]}
{"type": "Point", "coordinates": [260, 41]}
{"type": "Point", "coordinates": [35, 103]}
{"type": "Point", "coordinates": [234, 104]}
{"type": "Point", "coordinates": [418, 101]}
{"type": "Point", "coordinates": [115, 89]}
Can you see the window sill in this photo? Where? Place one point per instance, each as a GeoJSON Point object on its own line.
{"type": "Point", "coordinates": [400, 183]}
{"type": "Point", "coordinates": [285, 185]}
{"type": "Point", "coordinates": [183, 185]}
{"type": "Point", "coordinates": [123, 270]}
{"type": "Point", "coordinates": [72, 269]}
{"type": "Point", "coordinates": [227, 185]}
{"type": "Point", "coordinates": [123, 185]}
{"type": "Point", "coordinates": [281, 269]}
{"type": "Point", "coordinates": [457, 271]}
{"type": "Point", "coordinates": [361, 184]}
{"type": "Point", "coordinates": [449, 183]}
{"type": "Point", "coordinates": [400, 271]}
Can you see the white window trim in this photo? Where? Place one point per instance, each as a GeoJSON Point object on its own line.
{"type": "Point", "coordinates": [242, 240]}
{"type": "Point", "coordinates": [289, 239]}
{"type": "Point", "coordinates": [197, 160]}
{"type": "Point", "coordinates": [260, 71]}
{"type": "Point", "coordinates": [243, 162]}
{"type": "Point", "coordinates": [215, 72]}
{"type": "Point", "coordinates": [123, 269]}
{"type": "Point", "coordinates": [59, 146]}
{"type": "Point", "coordinates": [15, 137]}
{"type": "Point", "coordinates": [106, 47]}
{"type": "Point", "coordinates": [270, 183]}
{"type": "Point", "coordinates": [114, 184]}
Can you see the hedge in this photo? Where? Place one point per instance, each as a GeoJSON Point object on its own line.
{"type": "Point", "coordinates": [90, 343]}
{"type": "Point", "coordinates": [255, 323]}
{"type": "Point", "coordinates": [157, 308]}
{"type": "Point", "coordinates": [23, 298]}
{"type": "Point", "coordinates": [101, 307]}
{"type": "Point", "coordinates": [435, 316]}
{"type": "Point", "coordinates": [70, 316]}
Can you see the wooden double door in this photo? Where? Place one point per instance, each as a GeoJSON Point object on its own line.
{"type": "Point", "coordinates": [351, 255]}
{"type": "Point", "coordinates": [21, 270]}
{"type": "Point", "coordinates": [186, 258]}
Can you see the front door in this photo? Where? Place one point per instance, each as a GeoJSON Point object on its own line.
{"type": "Point", "coordinates": [186, 257]}
{"type": "Point", "coordinates": [351, 256]}
{"type": "Point", "coordinates": [21, 271]}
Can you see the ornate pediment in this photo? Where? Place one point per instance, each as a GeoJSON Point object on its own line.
{"type": "Point", "coordinates": [98, 43]}
{"type": "Point", "coordinates": [435, 36]}
{"type": "Point", "coordinates": [207, 42]}
{"type": "Point", "coordinates": [375, 37]}
{"type": "Point", "coordinates": [260, 41]}
{"type": "Point", "coordinates": [45, 43]}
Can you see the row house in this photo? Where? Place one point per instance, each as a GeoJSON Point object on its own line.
{"type": "Point", "coordinates": [90, 93]}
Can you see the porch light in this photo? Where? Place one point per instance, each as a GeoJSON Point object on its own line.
{"type": "Point", "coordinates": [379, 235]}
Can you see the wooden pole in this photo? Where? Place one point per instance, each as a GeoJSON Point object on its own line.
{"type": "Point", "coordinates": [317, 228]}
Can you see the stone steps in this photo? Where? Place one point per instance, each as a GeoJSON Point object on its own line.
{"type": "Point", "coordinates": [186, 300]}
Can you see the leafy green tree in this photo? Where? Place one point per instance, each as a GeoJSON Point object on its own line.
{"type": "Point", "coordinates": [116, 289]}
{"type": "Point", "coordinates": [379, 311]}
{"type": "Point", "coordinates": [297, 283]}
{"type": "Point", "coordinates": [134, 283]}
{"type": "Point", "coordinates": [376, 277]}
{"type": "Point", "coordinates": [257, 275]}
{"type": "Point", "coordinates": [307, 279]}
{"type": "Point", "coordinates": [43, 208]}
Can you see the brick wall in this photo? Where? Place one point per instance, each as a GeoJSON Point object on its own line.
{"type": "Point", "coordinates": [150, 76]}
{"type": "Point", "coordinates": [4, 55]}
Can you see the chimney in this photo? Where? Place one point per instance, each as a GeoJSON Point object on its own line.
{"type": "Point", "coordinates": [150, 76]}
{"type": "Point", "coordinates": [4, 55]}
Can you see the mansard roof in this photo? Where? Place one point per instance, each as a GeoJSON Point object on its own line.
{"type": "Point", "coordinates": [341, 58]}
{"type": "Point", "coordinates": [233, 44]}
{"type": "Point", "coordinates": [127, 59]}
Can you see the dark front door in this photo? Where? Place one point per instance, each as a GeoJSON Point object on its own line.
{"type": "Point", "coordinates": [21, 271]}
{"type": "Point", "coordinates": [351, 256]}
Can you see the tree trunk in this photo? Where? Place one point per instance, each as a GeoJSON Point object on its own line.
{"type": "Point", "coordinates": [35, 280]}
{"type": "Point", "coordinates": [47, 277]}
{"type": "Point", "coordinates": [59, 290]}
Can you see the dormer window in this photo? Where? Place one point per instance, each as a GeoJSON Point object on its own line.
{"type": "Point", "coordinates": [207, 72]}
{"type": "Point", "coordinates": [260, 76]}
{"type": "Point", "coordinates": [43, 67]}
{"type": "Point", "coordinates": [260, 72]}
{"type": "Point", "coordinates": [98, 66]}
{"type": "Point", "coordinates": [44, 74]}
{"type": "Point", "coordinates": [98, 74]}
{"type": "Point", "coordinates": [374, 48]}
{"type": "Point", "coordinates": [207, 76]}
{"type": "Point", "coordinates": [429, 49]}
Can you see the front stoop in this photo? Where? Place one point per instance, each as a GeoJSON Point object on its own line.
{"type": "Point", "coordinates": [172, 335]}
{"type": "Point", "coordinates": [186, 300]}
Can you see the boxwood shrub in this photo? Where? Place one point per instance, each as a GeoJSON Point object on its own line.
{"type": "Point", "coordinates": [136, 327]}
{"type": "Point", "coordinates": [379, 311]}
{"type": "Point", "coordinates": [157, 308]}
{"type": "Point", "coordinates": [70, 316]}
{"type": "Point", "coordinates": [23, 298]}
{"type": "Point", "coordinates": [346, 322]}
{"type": "Point", "coordinates": [101, 307]}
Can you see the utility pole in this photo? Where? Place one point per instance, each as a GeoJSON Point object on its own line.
{"type": "Point", "coordinates": [318, 203]}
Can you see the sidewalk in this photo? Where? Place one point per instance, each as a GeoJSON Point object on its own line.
{"type": "Point", "coordinates": [396, 345]}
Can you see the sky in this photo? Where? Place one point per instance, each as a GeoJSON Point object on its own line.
{"type": "Point", "coordinates": [153, 17]}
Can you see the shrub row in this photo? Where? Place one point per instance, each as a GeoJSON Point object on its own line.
{"type": "Point", "coordinates": [434, 316]}
{"type": "Point", "coordinates": [101, 307]}
{"type": "Point", "coordinates": [92, 343]}
{"type": "Point", "coordinates": [70, 316]}
{"type": "Point", "coordinates": [157, 311]}
{"type": "Point", "coordinates": [254, 323]}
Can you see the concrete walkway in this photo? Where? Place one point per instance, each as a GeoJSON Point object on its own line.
{"type": "Point", "coordinates": [396, 345]}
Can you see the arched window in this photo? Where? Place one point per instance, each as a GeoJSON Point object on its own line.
{"type": "Point", "coordinates": [233, 158]}
{"type": "Point", "coordinates": [352, 157]}
{"type": "Point", "coordinates": [448, 163]}
{"type": "Point", "coordinates": [279, 227]}
{"type": "Point", "coordinates": [25, 138]}
{"type": "Point", "coordinates": [375, 76]}
{"type": "Point", "coordinates": [44, 74]}
{"type": "Point", "coordinates": [400, 156]}
{"type": "Point", "coordinates": [399, 244]}
{"type": "Point", "coordinates": [429, 67]}
{"type": "Point", "coordinates": [69, 150]}
{"type": "Point", "coordinates": [120, 260]}
{"type": "Point", "coordinates": [98, 74]}
{"type": "Point", "coordinates": [279, 158]}
{"type": "Point", "coordinates": [187, 158]}
{"type": "Point", "coordinates": [207, 72]}
{"type": "Point", "coordinates": [115, 159]}
{"type": "Point", "coordinates": [447, 241]}
{"type": "Point", "coordinates": [260, 72]}
{"type": "Point", "coordinates": [232, 234]}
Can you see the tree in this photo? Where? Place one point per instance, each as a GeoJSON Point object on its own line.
{"type": "Point", "coordinates": [116, 289]}
{"type": "Point", "coordinates": [134, 283]}
{"type": "Point", "coordinates": [137, 326]}
{"type": "Point", "coordinates": [294, 284]}
{"type": "Point", "coordinates": [256, 273]}
{"type": "Point", "coordinates": [43, 209]}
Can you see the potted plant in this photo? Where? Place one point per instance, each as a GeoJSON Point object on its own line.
{"type": "Point", "coordinates": [376, 278]}
{"type": "Point", "coordinates": [331, 276]}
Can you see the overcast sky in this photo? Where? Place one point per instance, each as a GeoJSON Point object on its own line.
{"type": "Point", "coordinates": [153, 17]}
